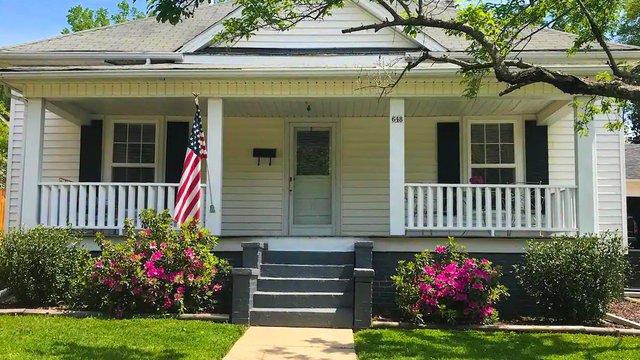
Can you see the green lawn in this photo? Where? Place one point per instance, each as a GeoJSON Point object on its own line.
{"type": "Point", "coordinates": [442, 344]}
{"type": "Point", "coordinates": [39, 337]}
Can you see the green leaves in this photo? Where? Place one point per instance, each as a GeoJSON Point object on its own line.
{"type": "Point", "coordinates": [80, 18]}
{"type": "Point", "coordinates": [573, 279]}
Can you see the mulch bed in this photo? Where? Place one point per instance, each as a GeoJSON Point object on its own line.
{"type": "Point", "coordinates": [627, 309]}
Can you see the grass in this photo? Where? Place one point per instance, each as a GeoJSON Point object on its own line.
{"type": "Point", "coordinates": [38, 337]}
{"type": "Point", "coordinates": [444, 344]}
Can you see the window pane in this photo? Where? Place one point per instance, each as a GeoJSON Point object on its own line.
{"type": "Point", "coordinates": [119, 153]}
{"type": "Point", "coordinates": [119, 174]}
{"type": "Point", "coordinates": [120, 132]}
{"type": "Point", "coordinates": [313, 152]}
{"type": "Point", "coordinates": [493, 154]}
{"type": "Point", "coordinates": [148, 153]}
{"type": "Point", "coordinates": [507, 155]}
{"type": "Point", "coordinates": [493, 176]}
{"type": "Point", "coordinates": [133, 153]}
{"type": "Point", "coordinates": [146, 174]}
{"type": "Point", "coordinates": [507, 176]}
{"type": "Point", "coordinates": [492, 133]}
{"type": "Point", "coordinates": [149, 133]}
{"type": "Point", "coordinates": [477, 154]}
{"type": "Point", "coordinates": [477, 134]}
{"type": "Point", "coordinates": [135, 133]}
{"type": "Point", "coordinates": [506, 133]}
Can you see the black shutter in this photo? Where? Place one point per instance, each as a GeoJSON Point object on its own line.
{"type": "Point", "coordinates": [448, 153]}
{"type": "Point", "coordinates": [536, 153]}
{"type": "Point", "coordinates": [177, 141]}
{"type": "Point", "coordinates": [91, 152]}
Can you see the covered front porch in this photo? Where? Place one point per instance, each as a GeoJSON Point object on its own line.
{"type": "Point", "coordinates": [306, 166]}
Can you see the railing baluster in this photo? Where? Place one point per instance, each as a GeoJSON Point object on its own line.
{"type": "Point", "coordinates": [160, 200]}
{"type": "Point", "coordinates": [429, 207]}
{"type": "Point", "coordinates": [122, 205]}
{"type": "Point", "coordinates": [73, 205]}
{"type": "Point", "coordinates": [410, 215]}
{"type": "Point", "coordinates": [140, 204]}
{"type": "Point", "coordinates": [45, 204]}
{"type": "Point", "coordinates": [538, 207]}
{"type": "Point", "coordinates": [498, 208]}
{"type": "Point", "coordinates": [527, 207]}
{"type": "Point", "coordinates": [547, 209]}
{"type": "Point", "coordinates": [420, 210]}
{"type": "Point", "coordinates": [459, 208]}
{"type": "Point", "coordinates": [55, 201]}
{"type": "Point", "coordinates": [91, 216]}
{"type": "Point", "coordinates": [568, 210]}
{"type": "Point", "coordinates": [508, 208]}
{"type": "Point", "coordinates": [558, 210]}
{"type": "Point", "coordinates": [131, 202]}
{"type": "Point", "coordinates": [82, 206]}
{"type": "Point", "coordinates": [478, 208]}
{"type": "Point", "coordinates": [488, 208]}
{"type": "Point", "coordinates": [102, 205]}
{"type": "Point", "coordinates": [440, 207]}
{"type": "Point", "coordinates": [171, 199]}
{"type": "Point", "coordinates": [63, 212]}
{"type": "Point", "coordinates": [151, 198]}
{"type": "Point", "coordinates": [111, 206]}
{"type": "Point", "coordinates": [469, 207]}
{"type": "Point", "coordinates": [449, 207]}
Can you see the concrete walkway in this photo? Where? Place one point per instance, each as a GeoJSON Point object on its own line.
{"type": "Point", "coordinates": [269, 343]}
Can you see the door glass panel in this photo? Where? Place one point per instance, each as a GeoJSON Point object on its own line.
{"type": "Point", "coordinates": [312, 193]}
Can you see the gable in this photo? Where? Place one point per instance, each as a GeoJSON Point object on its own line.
{"type": "Point", "coordinates": [327, 34]}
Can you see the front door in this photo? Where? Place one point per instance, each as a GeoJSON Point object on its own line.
{"type": "Point", "coordinates": [311, 180]}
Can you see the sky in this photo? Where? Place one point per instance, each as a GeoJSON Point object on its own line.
{"type": "Point", "coordinates": [28, 20]}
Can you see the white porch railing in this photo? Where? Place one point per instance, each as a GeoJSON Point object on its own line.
{"type": "Point", "coordinates": [460, 207]}
{"type": "Point", "coordinates": [103, 206]}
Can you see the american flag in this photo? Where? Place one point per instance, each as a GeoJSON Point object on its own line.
{"type": "Point", "coordinates": [188, 199]}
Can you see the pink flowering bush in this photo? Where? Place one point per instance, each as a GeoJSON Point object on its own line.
{"type": "Point", "coordinates": [156, 270]}
{"type": "Point", "coordinates": [446, 285]}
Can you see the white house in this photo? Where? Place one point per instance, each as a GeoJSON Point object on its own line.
{"type": "Point", "coordinates": [303, 152]}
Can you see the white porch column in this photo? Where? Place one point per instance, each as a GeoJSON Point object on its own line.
{"type": "Point", "coordinates": [396, 167]}
{"type": "Point", "coordinates": [586, 171]}
{"type": "Point", "coordinates": [32, 161]}
{"type": "Point", "coordinates": [213, 211]}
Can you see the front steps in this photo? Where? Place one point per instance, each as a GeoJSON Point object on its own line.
{"type": "Point", "coordinates": [302, 288]}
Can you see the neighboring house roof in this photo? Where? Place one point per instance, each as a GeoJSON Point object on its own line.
{"type": "Point", "coordinates": [147, 35]}
{"type": "Point", "coordinates": [632, 160]}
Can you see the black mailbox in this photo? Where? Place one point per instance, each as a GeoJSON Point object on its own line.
{"type": "Point", "coordinates": [264, 153]}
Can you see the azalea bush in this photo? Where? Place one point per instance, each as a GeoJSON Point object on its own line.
{"type": "Point", "coordinates": [574, 279]}
{"type": "Point", "coordinates": [156, 270]}
{"type": "Point", "coordinates": [41, 266]}
{"type": "Point", "coordinates": [446, 285]}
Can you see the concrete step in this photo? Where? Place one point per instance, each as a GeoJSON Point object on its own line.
{"type": "Point", "coordinates": [314, 300]}
{"type": "Point", "coordinates": [303, 317]}
{"type": "Point", "coordinates": [308, 258]}
{"type": "Point", "coordinates": [307, 271]}
{"type": "Point", "coordinates": [304, 285]}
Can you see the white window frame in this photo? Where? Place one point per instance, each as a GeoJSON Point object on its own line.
{"type": "Point", "coordinates": [518, 139]}
{"type": "Point", "coordinates": [109, 124]}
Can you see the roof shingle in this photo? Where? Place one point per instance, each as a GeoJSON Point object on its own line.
{"type": "Point", "coordinates": [632, 160]}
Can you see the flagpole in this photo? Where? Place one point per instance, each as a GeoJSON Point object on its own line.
{"type": "Point", "coordinates": [212, 208]}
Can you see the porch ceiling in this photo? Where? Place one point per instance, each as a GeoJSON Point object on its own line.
{"type": "Point", "coordinates": [312, 108]}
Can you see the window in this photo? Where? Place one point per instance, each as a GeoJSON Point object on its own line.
{"type": "Point", "coordinates": [134, 152]}
{"type": "Point", "coordinates": [493, 153]}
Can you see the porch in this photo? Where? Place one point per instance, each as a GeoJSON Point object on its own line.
{"type": "Point", "coordinates": [389, 167]}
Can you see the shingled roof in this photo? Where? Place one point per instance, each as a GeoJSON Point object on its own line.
{"type": "Point", "coordinates": [145, 35]}
{"type": "Point", "coordinates": [148, 35]}
{"type": "Point", "coordinates": [632, 160]}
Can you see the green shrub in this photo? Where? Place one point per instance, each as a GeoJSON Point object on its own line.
{"type": "Point", "coordinates": [156, 270]}
{"type": "Point", "coordinates": [446, 285]}
{"type": "Point", "coordinates": [574, 279]}
{"type": "Point", "coordinates": [41, 265]}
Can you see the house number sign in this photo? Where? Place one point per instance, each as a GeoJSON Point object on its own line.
{"type": "Point", "coordinates": [397, 119]}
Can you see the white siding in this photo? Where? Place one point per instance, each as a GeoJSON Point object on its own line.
{"type": "Point", "coordinates": [365, 176]}
{"type": "Point", "coordinates": [252, 195]}
{"type": "Point", "coordinates": [561, 139]}
{"type": "Point", "coordinates": [610, 178]}
{"type": "Point", "coordinates": [61, 154]}
{"type": "Point", "coordinates": [328, 34]}
{"type": "Point", "coordinates": [421, 150]}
